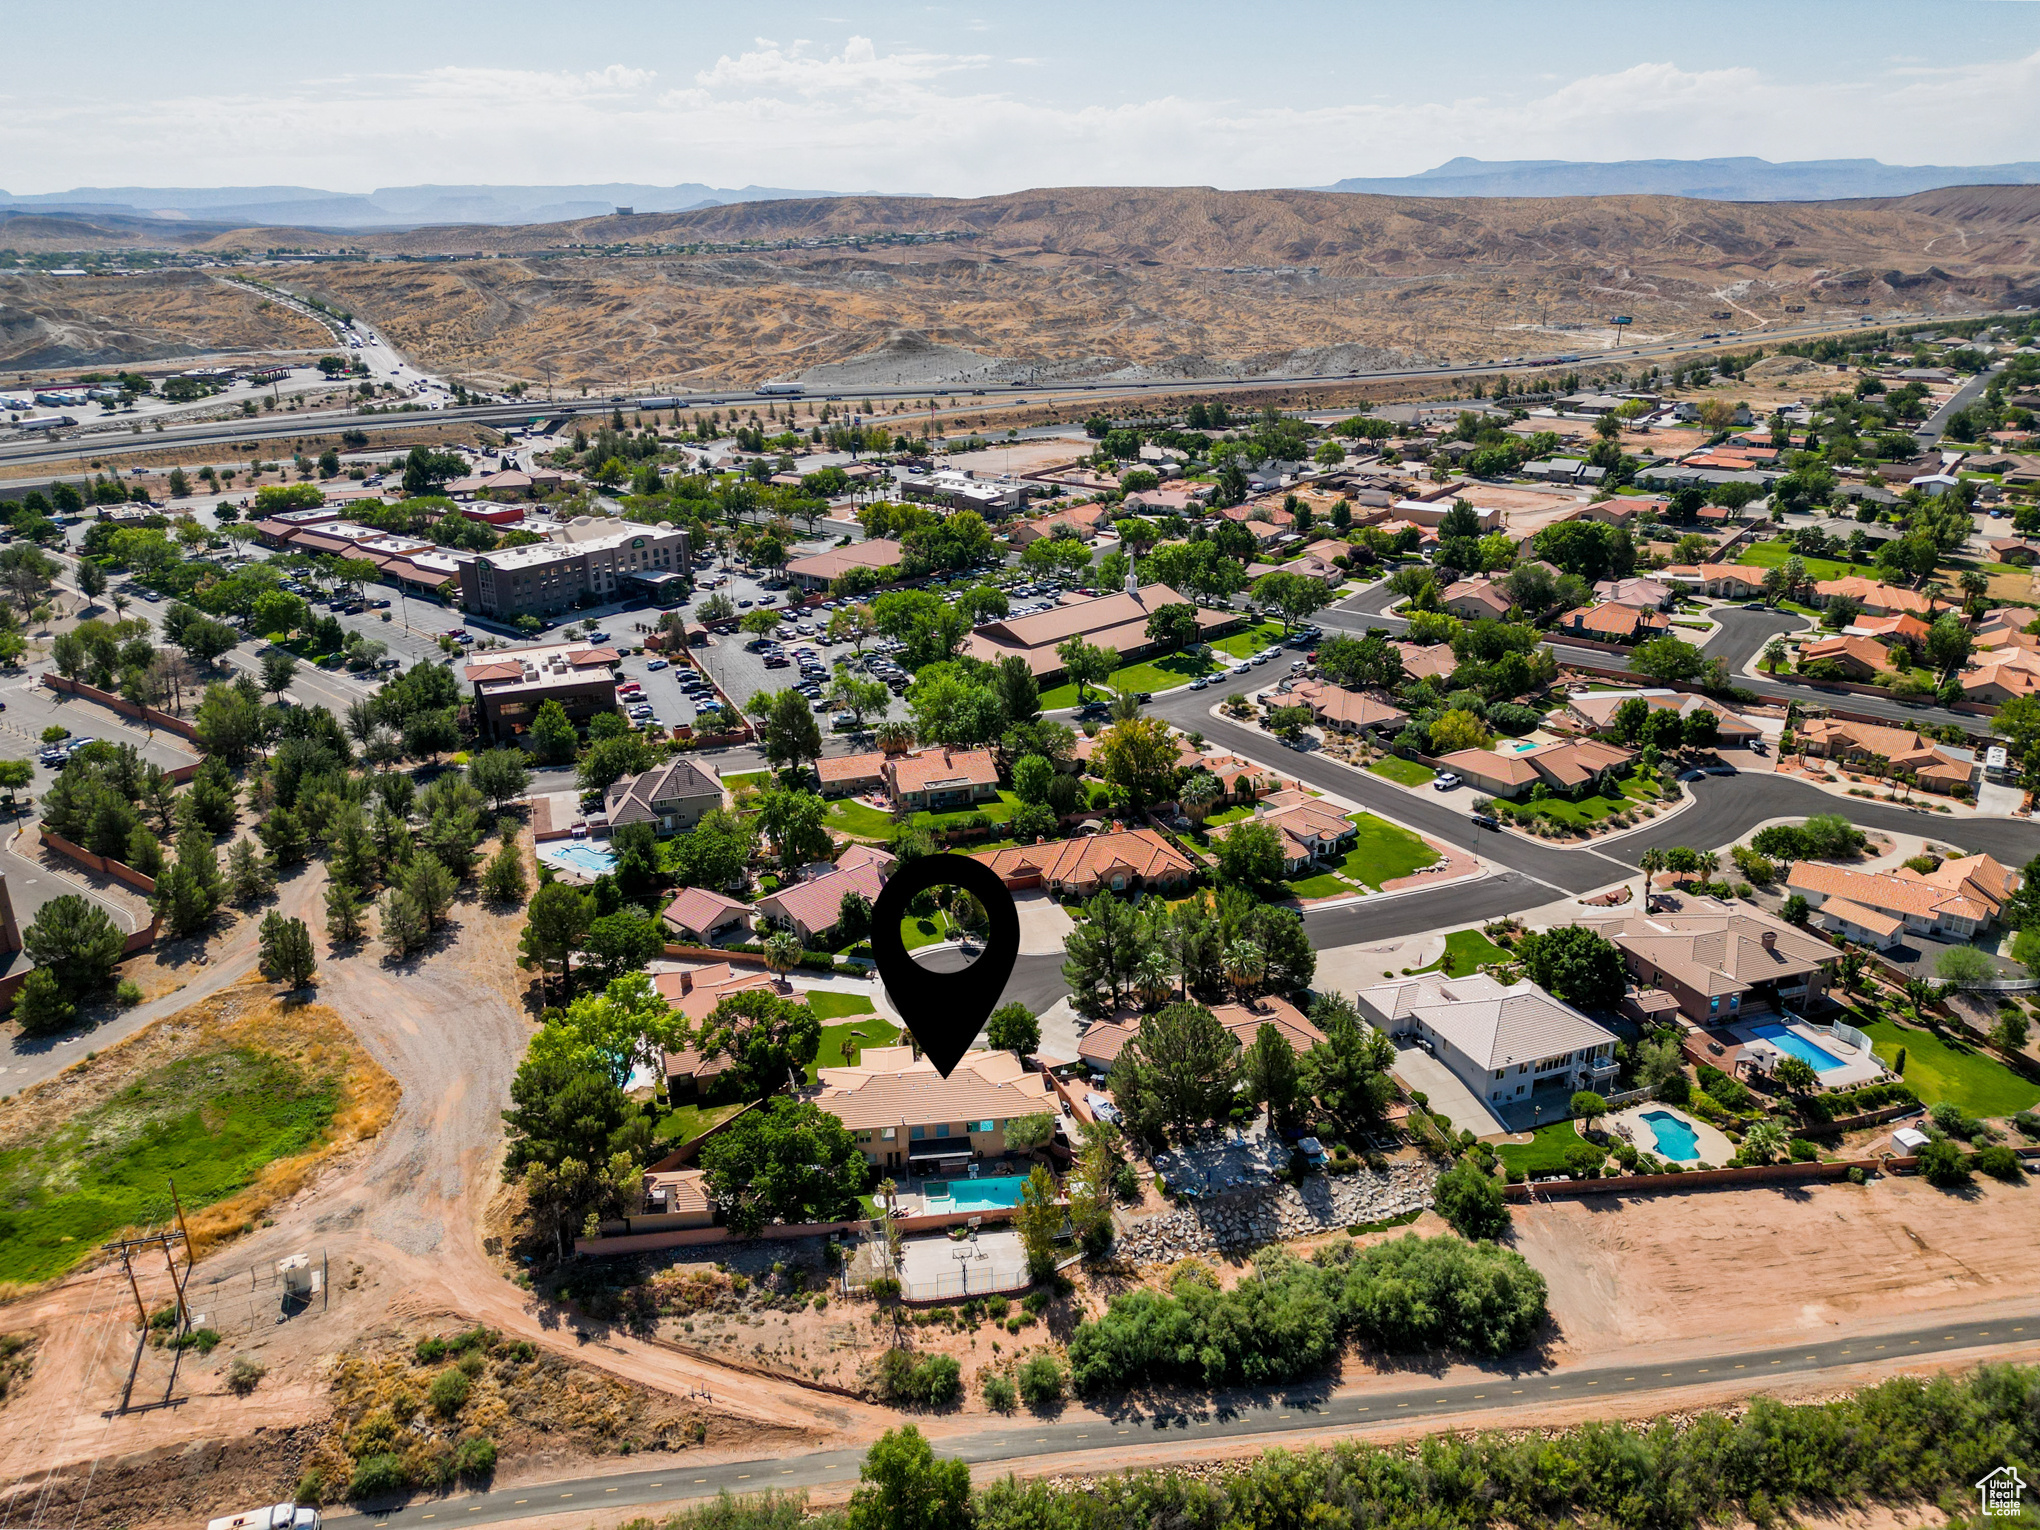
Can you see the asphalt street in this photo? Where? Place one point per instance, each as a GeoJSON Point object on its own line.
{"type": "Point", "coordinates": [1312, 1407]}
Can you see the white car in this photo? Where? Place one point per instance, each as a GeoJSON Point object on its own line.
{"type": "Point", "coordinates": [655, 664]}
{"type": "Point", "coordinates": [1242, 668]}
{"type": "Point", "coordinates": [1445, 782]}
{"type": "Point", "coordinates": [642, 709]}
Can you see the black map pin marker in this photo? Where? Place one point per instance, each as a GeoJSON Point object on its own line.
{"type": "Point", "coordinates": [945, 1010]}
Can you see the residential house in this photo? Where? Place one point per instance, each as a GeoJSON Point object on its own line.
{"type": "Point", "coordinates": [1079, 522]}
{"type": "Point", "coordinates": [939, 779]}
{"type": "Point", "coordinates": [847, 775]}
{"type": "Point", "coordinates": [1651, 594]}
{"type": "Point", "coordinates": [694, 994]}
{"type": "Point", "coordinates": [1719, 963]}
{"type": "Point", "coordinates": [1265, 518]}
{"type": "Point", "coordinates": [674, 1198]}
{"type": "Point", "coordinates": [1613, 623]}
{"type": "Point", "coordinates": [906, 1118]}
{"type": "Point", "coordinates": [812, 909]}
{"type": "Point", "coordinates": [1433, 662]}
{"type": "Point", "coordinates": [1508, 1044]}
{"type": "Point", "coordinates": [696, 915]}
{"type": "Point", "coordinates": [670, 797]}
{"type": "Point", "coordinates": [1349, 711]}
{"type": "Point", "coordinates": [1476, 599]}
{"type": "Point", "coordinates": [1724, 581]}
{"type": "Point", "coordinates": [1855, 658]}
{"type": "Point", "coordinates": [1328, 574]}
{"type": "Point", "coordinates": [1117, 622]}
{"type": "Point", "coordinates": [1890, 629]}
{"type": "Point", "coordinates": [1956, 900]}
{"type": "Point", "coordinates": [1875, 598]}
{"type": "Point", "coordinates": [1568, 767]}
{"type": "Point", "coordinates": [1310, 831]}
{"type": "Point", "coordinates": [1594, 712]}
{"type": "Point", "coordinates": [1936, 767]}
{"type": "Point", "coordinates": [1127, 860]}
{"type": "Point", "coordinates": [1103, 1041]}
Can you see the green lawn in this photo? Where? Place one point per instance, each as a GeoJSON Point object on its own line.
{"type": "Point", "coordinates": [850, 1014]}
{"type": "Point", "coordinates": [1465, 950]}
{"type": "Point", "coordinates": [998, 812]}
{"type": "Point", "coordinates": [1163, 674]}
{"type": "Point", "coordinates": [758, 778]}
{"type": "Point", "coordinates": [683, 1123]}
{"type": "Point", "coordinates": [1588, 809]}
{"type": "Point", "coordinates": [1973, 1081]}
{"type": "Point", "coordinates": [852, 817]}
{"type": "Point", "coordinates": [1244, 645]}
{"type": "Point", "coordinates": [1775, 555]}
{"type": "Point", "coordinates": [1382, 852]}
{"type": "Point", "coordinates": [1066, 696]}
{"type": "Point", "coordinates": [917, 932]}
{"type": "Point", "coordinates": [1323, 885]}
{"type": "Point", "coordinates": [211, 1121]}
{"type": "Point", "coordinates": [1544, 1153]}
{"type": "Point", "coordinates": [1403, 772]}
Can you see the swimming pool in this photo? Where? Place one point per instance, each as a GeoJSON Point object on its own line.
{"type": "Point", "coordinates": [578, 855]}
{"type": "Point", "coordinates": [1788, 1040]}
{"type": "Point", "coordinates": [974, 1194]}
{"type": "Point", "coordinates": [1676, 1139]}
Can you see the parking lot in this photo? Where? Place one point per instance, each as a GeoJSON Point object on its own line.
{"type": "Point", "coordinates": [31, 708]}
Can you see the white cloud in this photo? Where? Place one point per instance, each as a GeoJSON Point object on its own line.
{"type": "Point", "coordinates": [858, 115]}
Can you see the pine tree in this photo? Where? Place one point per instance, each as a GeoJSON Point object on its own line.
{"type": "Point", "coordinates": [344, 913]}
{"type": "Point", "coordinates": [430, 887]}
{"type": "Point", "coordinates": [248, 874]}
{"type": "Point", "coordinates": [286, 951]}
{"type": "Point", "coordinates": [403, 927]}
{"type": "Point", "coordinates": [503, 878]}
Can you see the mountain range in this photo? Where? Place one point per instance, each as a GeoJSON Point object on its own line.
{"type": "Point", "coordinates": [1714, 180]}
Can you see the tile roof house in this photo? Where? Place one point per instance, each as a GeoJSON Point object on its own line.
{"type": "Point", "coordinates": [1725, 962]}
{"type": "Point", "coordinates": [849, 774]}
{"type": "Point", "coordinates": [1936, 767]}
{"type": "Point", "coordinates": [903, 1115]}
{"type": "Point", "coordinates": [1499, 775]}
{"type": "Point", "coordinates": [1875, 598]}
{"type": "Point", "coordinates": [694, 995]}
{"type": "Point", "coordinates": [1310, 830]}
{"type": "Point", "coordinates": [1857, 658]}
{"type": "Point", "coordinates": [1435, 661]}
{"type": "Point", "coordinates": [939, 778]}
{"type": "Point", "coordinates": [820, 570]}
{"type": "Point", "coordinates": [674, 1198]}
{"type": "Point", "coordinates": [1506, 1044]}
{"type": "Point", "coordinates": [1477, 599]}
{"type": "Point", "coordinates": [1890, 629]}
{"type": "Point", "coordinates": [1117, 622]}
{"type": "Point", "coordinates": [1594, 711]}
{"type": "Point", "coordinates": [1614, 623]}
{"type": "Point", "coordinates": [1349, 711]}
{"type": "Point", "coordinates": [813, 908]}
{"type": "Point", "coordinates": [670, 797]}
{"type": "Point", "coordinates": [696, 914]}
{"type": "Point", "coordinates": [1565, 767]}
{"type": "Point", "coordinates": [1724, 581]}
{"type": "Point", "coordinates": [1129, 860]}
{"type": "Point", "coordinates": [2000, 675]}
{"type": "Point", "coordinates": [1654, 594]}
{"type": "Point", "coordinates": [1103, 1041]}
{"type": "Point", "coordinates": [1958, 898]}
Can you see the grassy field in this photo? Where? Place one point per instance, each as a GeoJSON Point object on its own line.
{"type": "Point", "coordinates": [1403, 772]}
{"type": "Point", "coordinates": [1544, 1153]}
{"type": "Point", "coordinates": [858, 818]}
{"type": "Point", "coordinates": [998, 812]}
{"type": "Point", "coordinates": [1066, 696]}
{"type": "Point", "coordinates": [917, 932]}
{"type": "Point", "coordinates": [683, 1123]}
{"type": "Point", "coordinates": [758, 778]}
{"type": "Point", "coordinates": [1776, 554]}
{"type": "Point", "coordinates": [1382, 852]}
{"type": "Point", "coordinates": [211, 1120]}
{"type": "Point", "coordinates": [1588, 809]}
{"type": "Point", "coordinates": [841, 1014]}
{"type": "Point", "coordinates": [1973, 1081]}
{"type": "Point", "coordinates": [1247, 643]}
{"type": "Point", "coordinates": [1163, 674]}
{"type": "Point", "coordinates": [1465, 950]}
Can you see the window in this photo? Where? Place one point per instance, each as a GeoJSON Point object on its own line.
{"type": "Point", "coordinates": [983, 1126]}
{"type": "Point", "coordinates": [1500, 1071]}
{"type": "Point", "coordinates": [1714, 1006]}
{"type": "Point", "coordinates": [888, 1134]}
{"type": "Point", "coordinates": [942, 1130]}
{"type": "Point", "coordinates": [918, 1133]}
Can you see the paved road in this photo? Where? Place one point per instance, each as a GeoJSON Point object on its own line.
{"type": "Point", "coordinates": [1309, 1406]}
{"type": "Point", "coordinates": [1936, 426]}
{"type": "Point", "coordinates": [266, 428]}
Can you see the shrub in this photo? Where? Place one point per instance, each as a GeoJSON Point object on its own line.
{"type": "Point", "coordinates": [127, 993]}
{"type": "Point", "coordinates": [429, 1351]}
{"type": "Point", "coordinates": [475, 1458]}
{"type": "Point", "coordinates": [244, 1375]}
{"type": "Point", "coordinates": [378, 1476]}
{"type": "Point", "coordinates": [1943, 1164]}
{"type": "Point", "coordinates": [999, 1394]}
{"type": "Point", "coordinates": [2000, 1162]}
{"type": "Point", "coordinates": [2027, 1122]}
{"type": "Point", "coordinates": [1803, 1151]}
{"type": "Point", "coordinates": [932, 1382]}
{"type": "Point", "coordinates": [449, 1392]}
{"type": "Point", "coordinates": [1856, 1175]}
{"type": "Point", "coordinates": [1041, 1382]}
{"type": "Point", "coordinates": [1470, 1199]}
{"type": "Point", "coordinates": [311, 1488]}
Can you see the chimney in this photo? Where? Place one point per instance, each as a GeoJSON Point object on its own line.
{"type": "Point", "coordinates": [1770, 940]}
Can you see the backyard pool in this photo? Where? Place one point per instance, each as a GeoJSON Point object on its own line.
{"type": "Point", "coordinates": [578, 855]}
{"type": "Point", "coordinates": [1785, 1039]}
{"type": "Point", "coordinates": [1676, 1139]}
{"type": "Point", "coordinates": [973, 1194]}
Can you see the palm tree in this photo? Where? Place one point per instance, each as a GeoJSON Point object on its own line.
{"type": "Point", "coordinates": [1244, 964]}
{"type": "Point", "coordinates": [1651, 862]}
{"type": "Point", "coordinates": [782, 954]}
{"type": "Point", "coordinates": [1153, 976]}
{"type": "Point", "coordinates": [1774, 654]}
{"type": "Point", "coordinates": [1709, 863]}
{"type": "Point", "coordinates": [1763, 1142]}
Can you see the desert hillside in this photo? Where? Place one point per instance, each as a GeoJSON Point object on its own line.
{"type": "Point", "coordinates": [1099, 281]}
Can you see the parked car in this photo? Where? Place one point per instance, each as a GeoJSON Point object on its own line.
{"type": "Point", "coordinates": [1486, 821]}
{"type": "Point", "coordinates": [655, 664]}
{"type": "Point", "coordinates": [1445, 782]}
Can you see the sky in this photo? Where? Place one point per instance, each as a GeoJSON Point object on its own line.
{"type": "Point", "coordinates": [980, 99]}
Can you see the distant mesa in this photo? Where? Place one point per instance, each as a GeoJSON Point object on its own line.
{"type": "Point", "coordinates": [1715, 180]}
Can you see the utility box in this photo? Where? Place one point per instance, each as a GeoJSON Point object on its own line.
{"type": "Point", "coordinates": [299, 1279]}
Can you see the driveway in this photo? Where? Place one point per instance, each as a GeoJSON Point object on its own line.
{"type": "Point", "coordinates": [1420, 1072]}
{"type": "Point", "coordinates": [1043, 924]}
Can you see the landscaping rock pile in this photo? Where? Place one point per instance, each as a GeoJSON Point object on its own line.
{"type": "Point", "coordinates": [1271, 1214]}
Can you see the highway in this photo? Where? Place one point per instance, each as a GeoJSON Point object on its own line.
{"type": "Point", "coordinates": [117, 439]}
{"type": "Point", "coordinates": [1268, 1416]}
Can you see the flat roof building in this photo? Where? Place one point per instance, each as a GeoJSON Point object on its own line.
{"type": "Point", "coordinates": [592, 561]}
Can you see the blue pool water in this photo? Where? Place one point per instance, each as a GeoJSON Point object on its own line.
{"type": "Point", "coordinates": [976, 1194]}
{"type": "Point", "coordinates": [1787, 1040]}
{"type": "Point", "coordinates": [1675, 1138]}
{"type": "Point", "coordinates": [577, 855]}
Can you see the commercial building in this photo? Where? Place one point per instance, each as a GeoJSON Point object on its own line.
{"type": "Point", "coordinates": [960, 489]}
{"type": "Point", "coordinates": [1117, 622]}
{"type": "Point", "coordinates": [907, 1118]}
{"type": "Point", "coordinates": [1508, 1044]}
{"type": "Point", "coordinates": [825, 568]}
{"type": "Point", "coordinates": [511, 684]}
{"type": "Point", "coordinates": [593, 561]}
